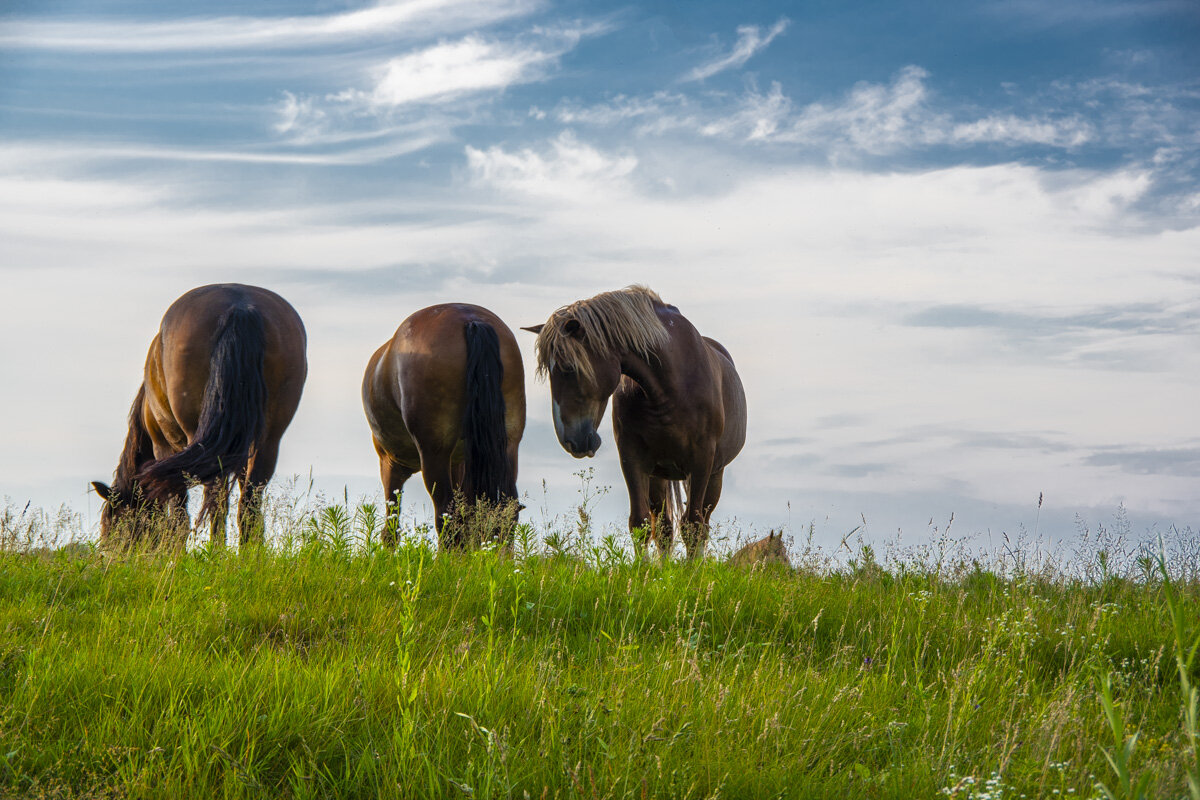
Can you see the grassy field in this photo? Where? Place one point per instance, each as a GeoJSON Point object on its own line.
{"type": "Point", "coordinates": [324, 666]}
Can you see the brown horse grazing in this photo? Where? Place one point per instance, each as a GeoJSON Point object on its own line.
{"type": "Point", "coordinates": [446, 396]}
{"type": "Point", "coordinates": [223, 379]}
{"type": "Point", "coordinates": [679, 411]}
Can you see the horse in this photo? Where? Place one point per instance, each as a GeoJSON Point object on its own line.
{"type": "Point", "coordinates": [767, 550]}
{"type": "Point", "coordinates": [679, 409]}
{"type": "Point", "coordinates": [446, 396]}
{"type": "Point", "coordinates": [222, 381]}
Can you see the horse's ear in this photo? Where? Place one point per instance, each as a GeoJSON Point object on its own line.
{"type": "Point", "coordinates": [572, 328]}
{"type": "Point", "coordinates": [535, 329]}
{"type": "Point", "coordinates": [102, 489]}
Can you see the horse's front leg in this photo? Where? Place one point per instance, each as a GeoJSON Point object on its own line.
{"type": "Point", "coordinates": [695, 521]}
{"type": "Point", "coordinates": [637, 481]}
{"type": "Point", "coordinates": [662, 517]}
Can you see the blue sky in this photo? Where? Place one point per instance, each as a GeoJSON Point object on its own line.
{"type": "Point", "coordinates": [953, 248]}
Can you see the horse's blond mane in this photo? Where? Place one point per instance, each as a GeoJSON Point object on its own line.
{"type": "Point", "coordinates": [612, 321]}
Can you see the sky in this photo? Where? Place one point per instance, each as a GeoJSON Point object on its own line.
{"type": "Point", "coordinates": [954, 249]}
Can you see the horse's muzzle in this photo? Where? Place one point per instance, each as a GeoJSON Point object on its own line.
{"type": "Point", "coordinates": [584, 445]}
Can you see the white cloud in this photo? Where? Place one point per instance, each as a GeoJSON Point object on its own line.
{"type": "Point", "coordinates": [384, 20]}
{"type": "Point", "coordinates": [758, 117]}
{"type": "Point", "coordinates": [1012, 130]}
{"type": "Point", "coordinates": [570, 170]}
{"type": "Point", "coordinates": [750, 41]}
{"type": "Point", "coordinates": [452, 69]}
{"type": "Point", "coordinates": [875, 118]}
{"type": "Point", "coordinates": [295, 111]}
{"type": "Point", "coordinates": [1108, 197]}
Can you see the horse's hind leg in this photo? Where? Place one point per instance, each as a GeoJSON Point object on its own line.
{"type": "Point", "coordinates": [216, 507]}
{"type": "Point", "coordinates": [703, 492]}
{"type": "Point", "coordinates": [435, 469]}
{"type": "Point", "coordinates": [393, 476]}
{"type": "Point", "coordinates": [252, 485]}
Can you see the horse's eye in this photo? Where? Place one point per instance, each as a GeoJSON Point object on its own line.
{"type": "Point", "coordinates": [567, 369]}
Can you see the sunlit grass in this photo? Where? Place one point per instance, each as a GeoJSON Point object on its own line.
{"type": "Point", "coordinates": [326, 666]}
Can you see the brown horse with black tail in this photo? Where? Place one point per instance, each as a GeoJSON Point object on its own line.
{"type": "Point", "coordinates": [446, 396]}
{"type": "Point", "coordinates": [222, 382]}
{"type": "Point", "coordinates": [679, 410]}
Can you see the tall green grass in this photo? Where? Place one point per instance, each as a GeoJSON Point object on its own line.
{"type": "Point", "coordinates": [326, 666]}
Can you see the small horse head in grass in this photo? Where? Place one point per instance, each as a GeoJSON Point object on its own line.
{"type": "Point", "coordinates": [767, 550]}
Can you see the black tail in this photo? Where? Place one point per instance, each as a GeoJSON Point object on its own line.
{"type": "Point", "coordinates": [489, 473]}
{"type": "Point", "coordinates": [232, 413]}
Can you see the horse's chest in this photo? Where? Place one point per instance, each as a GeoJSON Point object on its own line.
{"type": "Point", "coordinates": [667, 454]}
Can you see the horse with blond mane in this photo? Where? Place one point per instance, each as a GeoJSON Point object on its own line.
{"type": "Point", "coordinates": [679, 410]}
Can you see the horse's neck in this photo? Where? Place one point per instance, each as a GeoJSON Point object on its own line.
{"type": "Point", "coordinates": [138, 449]}
{"type": "Point", "coordinates": [660, 375]}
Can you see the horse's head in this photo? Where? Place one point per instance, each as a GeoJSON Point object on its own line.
{"type": "Point", "coordinates": [582, 378]}
{"type": "Point", "coordinates": [119, 512]}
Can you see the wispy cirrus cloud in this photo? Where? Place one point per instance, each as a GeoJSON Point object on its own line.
{"type": "Point", "coordinates": [751, 40]}
{"type": "Point", "coordinates": [620, 109]}
{"type": "Point", "coordinates": [872, 117]}
{"type": "Point", "coordinates": [1071, 131]}
{"type": "Point", "coordinates": [389, 20]}
{"type": "Point", "coordinates": [392, 145]}
{"type": "Point", "coordinates": [444, 79]}
{"type": "Point", "coordinates": [908, 114]}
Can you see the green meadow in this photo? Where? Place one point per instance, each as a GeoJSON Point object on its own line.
{"type": "Point", "coordinates": [325, 666]}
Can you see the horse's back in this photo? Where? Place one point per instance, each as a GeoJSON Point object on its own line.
{"type": "Point", "coordinates": [190, 320]}
{"type": "Point", "coordinates": [733, 402]}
